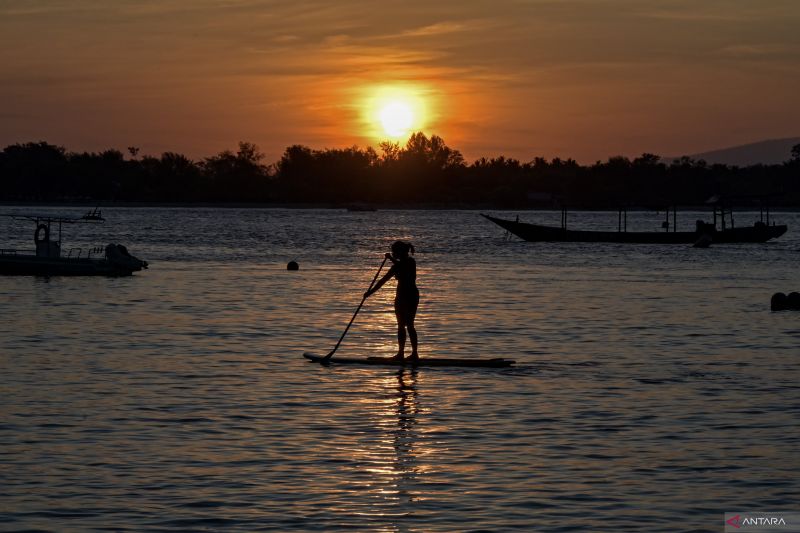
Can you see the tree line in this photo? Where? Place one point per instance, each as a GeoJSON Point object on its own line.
{"type": "Point", "coordinates": [423, 171]}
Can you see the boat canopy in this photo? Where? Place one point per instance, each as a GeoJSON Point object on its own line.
{"type": "Point", "coordinates": [95, 215]}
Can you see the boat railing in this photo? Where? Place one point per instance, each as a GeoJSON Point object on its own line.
{"type": "Point", "coordinates": [7, 251]}
{"type": "Point", "coordinates": [78, 252]}
{"type": "Point", "coordinates": [95, 250]}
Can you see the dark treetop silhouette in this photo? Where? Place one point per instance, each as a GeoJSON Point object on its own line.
{"type": "Point", "coordinates": [424, 171]}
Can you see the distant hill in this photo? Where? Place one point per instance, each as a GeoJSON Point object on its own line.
{"type": "Point", "coordinates": [770, 152]}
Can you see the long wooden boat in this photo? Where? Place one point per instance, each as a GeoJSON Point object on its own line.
{"type": "Point", "coordinates": [759, 232]}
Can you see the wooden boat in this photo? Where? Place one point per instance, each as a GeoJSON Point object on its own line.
{"type": "Point", "coordinates": [759, 232]}
{"type": "Point", "coordinates": [111, 260]}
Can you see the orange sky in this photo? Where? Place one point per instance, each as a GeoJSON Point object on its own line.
{"type": "Point", "coordinates": [572, 78]}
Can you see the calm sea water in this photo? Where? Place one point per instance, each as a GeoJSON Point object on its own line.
{"type": "Point", "coordinates": [654, 391]}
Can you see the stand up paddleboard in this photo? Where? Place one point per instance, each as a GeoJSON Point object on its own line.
{"type": "Point", "coordinates": [421, 362]}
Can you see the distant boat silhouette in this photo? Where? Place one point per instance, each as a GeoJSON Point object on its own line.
{"type": "Point", "coordinates": [361, 207]}
{"type": "Point", "coordinates": [48, 260]}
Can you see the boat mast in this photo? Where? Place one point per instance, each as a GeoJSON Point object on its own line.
{"type": "Point", "coordinates": [665, 224]}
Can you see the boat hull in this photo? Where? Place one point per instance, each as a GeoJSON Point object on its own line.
{"type": "Point", "coordinates": [30, 265]}
{"type": "Point", "coordinates": [538, 233]}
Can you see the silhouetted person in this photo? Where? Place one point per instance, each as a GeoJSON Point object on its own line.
{"type": "Point", "coordinates": [406, 299]}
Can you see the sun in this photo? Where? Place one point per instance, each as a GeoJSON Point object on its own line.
{"type": "Point", "coordinates": [393, 112]}
{"type": "Point", "coordinates": [396, 118]}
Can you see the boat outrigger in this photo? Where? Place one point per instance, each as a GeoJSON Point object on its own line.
{"type": "Point", "coordinates": [111, 260]}
{"type": "Point", "coordinates": [704, 234]}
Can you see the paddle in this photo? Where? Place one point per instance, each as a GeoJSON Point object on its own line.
{"type": "Point", "coordinates": [363, 299]}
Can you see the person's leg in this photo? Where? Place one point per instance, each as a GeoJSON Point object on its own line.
{"type": "Point", "coordinates": [412, 331]}
{"type": "Point", "coordinates": [412, 334]}
{"type": "Point", "coordinates": [401, 333]}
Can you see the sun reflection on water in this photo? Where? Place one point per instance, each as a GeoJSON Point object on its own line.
{"type": "Point", "coordinates": [391, 459]}
{"type": "Point", "coordinates": [406, 441]}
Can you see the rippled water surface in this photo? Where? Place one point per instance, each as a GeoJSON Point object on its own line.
{"type": "Point", "coordinates": [654, 389]}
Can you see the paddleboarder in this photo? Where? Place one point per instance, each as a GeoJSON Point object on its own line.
{"type": "Point", "coordinates": [406, 299]}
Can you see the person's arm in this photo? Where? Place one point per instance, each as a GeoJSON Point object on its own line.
{"type": "Point", "coordinates": [380, 283]}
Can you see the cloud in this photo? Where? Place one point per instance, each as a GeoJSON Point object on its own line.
{"type": "Point", "coordinates": [285, 39]}
{"type": "Point", "coordinates": [440, 28]}
{"type": "Point", "coordinates": [695, 15]}
{"type": "Point", "coordinates": [719, 11]}
{"type": "Point", "coordinates": [758, 50]}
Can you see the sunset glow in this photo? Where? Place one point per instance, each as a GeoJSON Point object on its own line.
{"type": "Point", "coordinates": [573, 79]}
